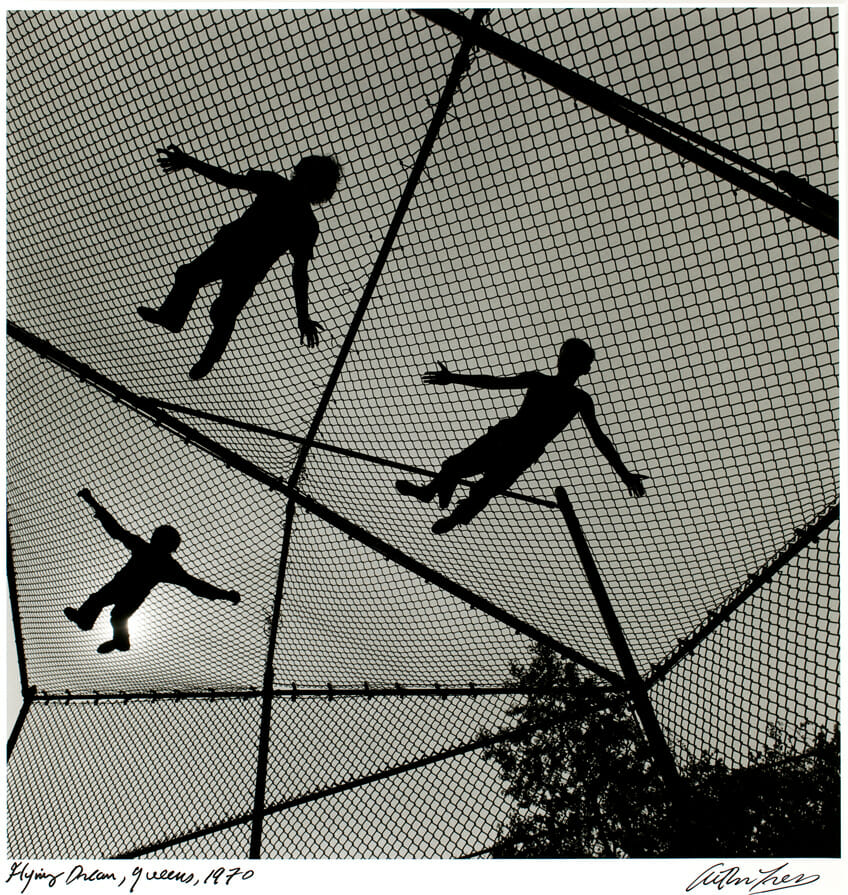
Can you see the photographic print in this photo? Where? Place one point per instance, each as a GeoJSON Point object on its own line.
{"type": "Point", "coordinates": [422, 434]}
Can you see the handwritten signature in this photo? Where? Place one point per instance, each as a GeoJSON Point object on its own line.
{"type": "Point", "coordinates": [763, 881]}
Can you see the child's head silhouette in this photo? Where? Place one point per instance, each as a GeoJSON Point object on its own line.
{"type": "Point", "coordinates": [317, 176]}
{"type": "Point", "coordinates": [165, 538]}
{"type": "Point", "coordinates": [575, 357]}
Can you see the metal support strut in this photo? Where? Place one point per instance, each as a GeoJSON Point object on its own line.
{"type": "Point", "coordinates": [459, 68]}
{"type": "Point", "coordinates": [799, 199]}
{"type": "Point", "coordinates": [663, 758]}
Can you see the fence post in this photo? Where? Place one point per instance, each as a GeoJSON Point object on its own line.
{"type": "Point", "coordinates": [663, 758]}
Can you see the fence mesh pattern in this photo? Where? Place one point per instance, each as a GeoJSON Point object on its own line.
{"type": "Point", "coordinates": [774, 663]}
{"type": "Point", "coordinates": [119, 775]}
{"type": "Point", "coordinates": [536, 218]}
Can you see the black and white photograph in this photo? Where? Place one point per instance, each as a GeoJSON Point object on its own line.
{"type": "Point", "coordinates": [422, 442]}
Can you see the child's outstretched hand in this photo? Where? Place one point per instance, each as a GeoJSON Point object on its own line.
{"type": "Point", "coordinates": [309, 330]}
{"type": "Point", "coordinates": [233, 596]}
{"type": "Point", "coordinates": [633, 481]}
{"type": "Point", "coordinates": [175, 159]}
{"type": "Point", "coordinates": [85, 494]}
{"type": "Point", "coordinates": [442, 376]}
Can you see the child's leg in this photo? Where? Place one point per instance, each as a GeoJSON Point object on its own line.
{"type": "Point", "coordinates": [85, 617]}
{"type": "Point", "coordinates": [466, 463]}
{"type": "Point", "coordinates": [188, 281]}
{"type": "Point", "coordinates": [224, 313]}
{"type": "Point", "coordinates": [120, 632]}
{"type": "Point", "coordinates": [494, 481]}
{"type": "Point", "coordinates": [459, 466]}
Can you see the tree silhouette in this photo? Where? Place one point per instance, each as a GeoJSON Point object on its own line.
{"type": "Point", "coordinates": [584, 783]}
{"type": "Point", "coordinates": [782, 803]}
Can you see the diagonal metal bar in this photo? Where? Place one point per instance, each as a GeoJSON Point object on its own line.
{"type": "Point", "coordinates": [329, 448]}
{"type": "Point", "coordinates": [683, 842]}
{"type": "Point", "coordinates": [268, 690]}
{"type": "Point", "coordinates": [805, 202]}
{"type": "Point", "coordinates": [476, 854]}
{"type": "Point", "coordinates": [635, 684]}
{"type": "Point", "coordinates": [314, 796]}
{"type": "Point", "coordinates": [458, 69]}
{"type": "Point", "coordinates": [147, 408]}
{"type": "Point", "coordinates": [803, 538]}
{"type": "Point", "coordinates": [459, 66]}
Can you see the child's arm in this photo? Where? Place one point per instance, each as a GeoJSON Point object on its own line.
{"type": "Point", "coordinates": [443, 376]}
{"type": "Point", "coordinates": [113, 529]}
{"type": "Point", "coordinates": [632, 480]}
{"type": "Point", "coordinates": [202, 588]}
{"type": "Point", "coordinates": [300, 284]}
{"type": "Point", "coordinates": [175, 160]}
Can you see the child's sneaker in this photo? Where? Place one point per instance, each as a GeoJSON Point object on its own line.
{"type": "Point", "coordinates": [152, 315]}
{"type": "Point", "coordinates": [110, 645]}
{"type": "Point", "coordinates": [440, 526]}
{"type": "Point", "coordinates": [73, 615]}
{"type": "Point", "coordinates": [199, 370]}
{"type": "Point", "coordinates": [408, 489]}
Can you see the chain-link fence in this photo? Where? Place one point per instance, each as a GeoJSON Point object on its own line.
{"type": "Point", "coordinates": [543, 209]}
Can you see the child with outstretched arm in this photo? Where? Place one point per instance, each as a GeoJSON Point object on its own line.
{"type": "Point", "coordinates": [511, 446]}
{"type": "Point", "coordinates": [149, 564]}
{"type": "Point", "coordinates": [280, 220]}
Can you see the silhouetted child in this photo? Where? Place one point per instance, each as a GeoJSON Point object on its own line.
{"type": "Point", "coordinates": [509, 447]}
{"type": "Point", "coordinates": [150, 564]}
{"type": "Point", "coordinates": [279, 220]}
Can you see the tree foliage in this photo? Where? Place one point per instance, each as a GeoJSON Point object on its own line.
{"type": "Point", "coordinates": [584, 785]}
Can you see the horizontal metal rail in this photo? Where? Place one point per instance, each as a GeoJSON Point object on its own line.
{"type": "Point", "coordinates": [294, 693]}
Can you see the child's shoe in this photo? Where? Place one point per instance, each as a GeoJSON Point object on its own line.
{"type": "Point", "coordinates": [110, 645]}
{"type": "Point", "coordinates": [440, 526]}
{"type": "Point", "coordinates": [409, 489]}
{"type": "Point", "coordinates": [152, 315]}
{"type": "Point", "coordinates": [73, 615]}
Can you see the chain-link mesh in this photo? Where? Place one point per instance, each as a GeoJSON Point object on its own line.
{"type": "Point", "coordinates": [230, 843]}
{"type": "Point", "coordinates": [439, 811]}
{"type": "Point", "coordinates": [92, 780]}
{"type": "Point", "coordinates": [312, 747]}
{"type": "Point", "coordinates": [751, 82]}
{"type": "Point", "coordinates": [335, 587]}
{"type": "Point", "coordinates": [714, 319]}
{"type": "Point", "coordinates": [769, 673]}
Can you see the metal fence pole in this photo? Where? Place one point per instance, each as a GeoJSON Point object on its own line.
{"type": "Point", "coordinates": [16, 611]}
{"type": "Point", "coordinates": [663, 757]}
{"type": "Point", "coordinates": [460, 64]}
